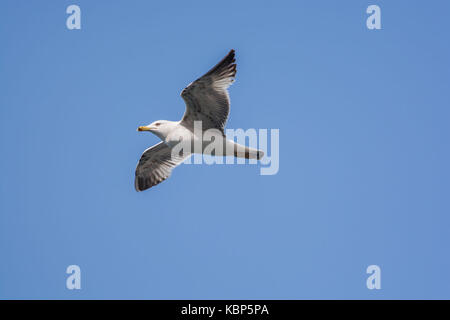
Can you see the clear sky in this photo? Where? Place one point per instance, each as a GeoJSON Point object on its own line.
{"type": "Point", "coordinates": [364, 151]}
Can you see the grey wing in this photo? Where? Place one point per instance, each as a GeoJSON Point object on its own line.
{"type": "Point", "coordinates": [155, 166]}
{"type": "Point", "coordinates": [207, 98]}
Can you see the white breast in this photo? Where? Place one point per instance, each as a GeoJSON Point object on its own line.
{"type": "Point", "coordinates": [177, 135]}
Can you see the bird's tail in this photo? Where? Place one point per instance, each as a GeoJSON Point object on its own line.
{"type": "Point", "coordinates": [241, 151]}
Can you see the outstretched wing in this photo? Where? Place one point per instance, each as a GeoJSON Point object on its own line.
{"type": "Point", "coordinates": [207, 98]}
{"type": "Point", "coordinates": [155, 166]}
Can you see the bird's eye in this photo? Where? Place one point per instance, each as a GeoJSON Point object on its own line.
{"type": "Point", "coordinates": [157, 124]}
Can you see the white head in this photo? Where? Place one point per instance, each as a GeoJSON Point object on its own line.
{"type": "Point", "coordinates": [161, 128]}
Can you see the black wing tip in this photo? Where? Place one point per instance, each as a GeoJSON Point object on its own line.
{"type": "Point", "coordinates": [143, 187]}
{"type": "Point", "coordinates": [226, 63]}
{"type": "Point", "coordinates": [231, 56]}
{"type": "Point", "coordinates": [142, 184]}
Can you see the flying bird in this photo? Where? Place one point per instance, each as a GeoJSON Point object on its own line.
{"type": "Point", "coordinates": [208, 103]}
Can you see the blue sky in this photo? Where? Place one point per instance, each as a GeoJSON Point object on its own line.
{"type": "Point", "coordinates": [364, 177]}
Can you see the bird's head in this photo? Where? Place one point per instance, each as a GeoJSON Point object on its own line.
{"type": "Point", "coordinates": [161, 128]}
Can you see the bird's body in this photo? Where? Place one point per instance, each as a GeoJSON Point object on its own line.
{"type": "Point", "coordinates": [207, 105]}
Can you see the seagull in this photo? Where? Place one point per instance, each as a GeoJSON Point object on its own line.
{"type": "Point", "coordinates": [208, 104]}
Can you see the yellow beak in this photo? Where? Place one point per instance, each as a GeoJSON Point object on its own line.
{"type": "Point", "coordinates": [144, 129]}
